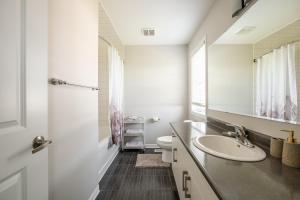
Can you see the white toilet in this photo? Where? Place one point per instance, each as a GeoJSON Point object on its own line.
{"type": "Point", "coordinates": [165, 143]}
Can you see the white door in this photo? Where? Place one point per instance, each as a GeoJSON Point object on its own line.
{"type": "Point", "coordinates": [23, 99]}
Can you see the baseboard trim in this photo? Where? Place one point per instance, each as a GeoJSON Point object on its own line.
{"type": "Point", "coordinates": [151, 146]}
{"type": "Point", "coordinates": [95, 193]}
{"type": "Point", "coordinates": [102, 171]}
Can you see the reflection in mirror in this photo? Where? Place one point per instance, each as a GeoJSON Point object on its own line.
{"type": "Point", "coordinates": [254, 67]}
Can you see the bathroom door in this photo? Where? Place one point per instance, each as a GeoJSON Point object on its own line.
{"type": "Point", "coordinates": [23, 99]}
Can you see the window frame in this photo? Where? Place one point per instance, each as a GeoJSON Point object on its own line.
{"type": "Point", "coordinates": [196, 115]}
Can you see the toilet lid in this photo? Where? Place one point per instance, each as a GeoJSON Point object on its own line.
{"type": "Point", "coordinates": [165, 139]}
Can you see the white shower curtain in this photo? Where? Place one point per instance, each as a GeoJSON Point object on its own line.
{"type": "Point", "coordinates": [115, 94]}
{"type": "Point", "coordinates": [276, 88]}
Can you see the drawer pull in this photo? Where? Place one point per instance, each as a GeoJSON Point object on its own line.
{"type": "Point", "coordinates": [185, 178]}
{"type": "Point", "coordinates": [183, 181]}
{"type": "Point", "coordinates": [174, 158]}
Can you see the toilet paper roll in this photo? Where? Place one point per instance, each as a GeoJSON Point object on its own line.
{"type": "Point", "coordinates": [155, 119]}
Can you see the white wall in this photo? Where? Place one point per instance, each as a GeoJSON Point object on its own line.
{"type": "Point", "coordinates": [217, 22]}
{"type": "Point", "coordinates": [76, 156]}
{"type": "Point", "coordinates": [156, 85]}
{"type": "Point", "coordinates": [230, 78]}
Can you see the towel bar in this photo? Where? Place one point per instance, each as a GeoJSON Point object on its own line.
{"type": "Point", "coordinates": [55, 81]}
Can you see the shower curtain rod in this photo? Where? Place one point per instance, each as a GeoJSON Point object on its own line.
{"type": "Point", "coordinates": [294, 41]}
{"type": "Point", "coordinates": [105, 40]}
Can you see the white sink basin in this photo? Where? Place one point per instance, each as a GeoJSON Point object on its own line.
{"type": "Point", "coordinates": [229, 148]}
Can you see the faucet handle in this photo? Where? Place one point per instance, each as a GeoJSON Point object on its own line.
{"type": "Point", "coordinates": [229, 134]}
{"type": "Point", "coordinates": [244, 130]}
{"type": "Point", "coordinates": [241, 135]}
{"type": "Point", "coordinates": [240, 130]}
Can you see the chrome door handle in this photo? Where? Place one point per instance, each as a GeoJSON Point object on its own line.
{"type": "Point", "coordinates": [39, 143]}
{"type": "Point", "coordinates": [185, 178]}
{"type": "Point", "coordinates": [174, 150]}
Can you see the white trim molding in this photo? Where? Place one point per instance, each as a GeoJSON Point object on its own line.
{"type": "Point", "coordinates": [192, 115]}
{"type": "Point", "coordinates": [102, 171]}
{"type": "Point", "coordinates": [94, 193]}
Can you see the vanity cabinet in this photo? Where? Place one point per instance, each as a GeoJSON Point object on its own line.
{"type": "Point", "coordinates": [190, 182]}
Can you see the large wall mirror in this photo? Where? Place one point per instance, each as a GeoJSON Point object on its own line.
{"type": "Point", "coordinates": [254, 67]}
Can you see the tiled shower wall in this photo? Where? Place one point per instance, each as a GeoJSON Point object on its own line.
{"type": "Point", "coordinates": [107, 31]}
{"type": "Point", "coordinates": [290, 33]}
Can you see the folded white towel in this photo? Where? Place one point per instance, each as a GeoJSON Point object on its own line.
{"type": "Point", "coordinates": [134, 131]}
{"type": "Point", "coordinates": [132, 117]}
{"type": "Point", "coordinates": [134, 143]}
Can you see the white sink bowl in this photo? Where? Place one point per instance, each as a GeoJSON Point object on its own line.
{"type": "Point", "coordinates": [228, 148]}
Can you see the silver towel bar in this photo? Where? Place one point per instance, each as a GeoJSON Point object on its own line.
{"type": "Point", "coordinates": [55, 81]}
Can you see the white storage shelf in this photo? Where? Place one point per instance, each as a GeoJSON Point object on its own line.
{"type": "Point", "coordinates": [133, 135]}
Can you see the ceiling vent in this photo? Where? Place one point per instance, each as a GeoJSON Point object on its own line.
{"type": "Point", "coordinates": [245, 30]}
{"type": "Point", "coordinates": [148, 31]}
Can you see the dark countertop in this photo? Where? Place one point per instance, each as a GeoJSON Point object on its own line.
{"type": "Point", "coordinates": [234, 180]}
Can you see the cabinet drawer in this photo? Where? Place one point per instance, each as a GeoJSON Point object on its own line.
{"type": "Point", "coordinates": [198, 186]}
{"type": "Point", "coordinates": [188, 175]}
{"type": "Point", "coordinates": [177, 164]}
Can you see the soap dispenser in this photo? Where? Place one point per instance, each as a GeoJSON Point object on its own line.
{"type": "Point", "coordinates": [291, 150]}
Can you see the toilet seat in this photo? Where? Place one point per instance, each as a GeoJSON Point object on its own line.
{"type": "Point", "coordinates": [164, 142]}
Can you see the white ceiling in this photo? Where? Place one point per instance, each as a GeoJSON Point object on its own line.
{"type": "Point", "coordinates": [268, 16]}
{"type": "Point", "coordinates": [175, 21]}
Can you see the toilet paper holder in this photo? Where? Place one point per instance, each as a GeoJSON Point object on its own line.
{"type": "Point", "coordinates": [155, 119]}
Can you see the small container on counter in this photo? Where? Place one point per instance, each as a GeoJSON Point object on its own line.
{"type": "Point", "coordinates": [291, 151]}
{"type": "Point", "coordinates": [276, 147]}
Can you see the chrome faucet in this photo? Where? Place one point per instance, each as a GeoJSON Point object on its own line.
{"type": "Point", "coordinates": [240, 135]}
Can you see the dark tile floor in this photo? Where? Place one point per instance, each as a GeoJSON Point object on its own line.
{"type": "Point", "coordinates": [123, 181]}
